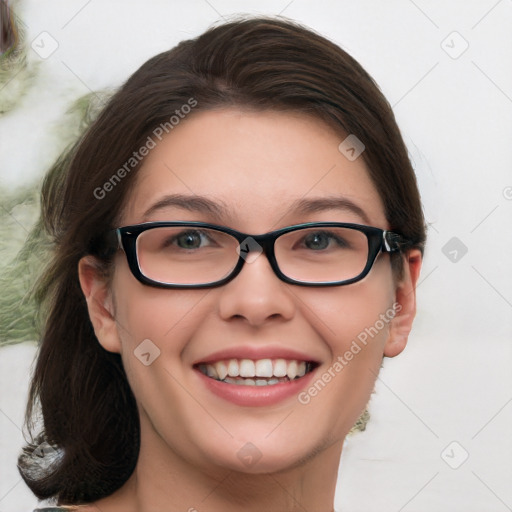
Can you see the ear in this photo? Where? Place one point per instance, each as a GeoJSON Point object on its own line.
{"type": "Point", "coordinates": [99, 303]}
{"type": "Point", "coordinates": [405, 308]}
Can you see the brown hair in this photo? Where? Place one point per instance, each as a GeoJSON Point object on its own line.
{"type": "Point", "coordinates": [88, 410]}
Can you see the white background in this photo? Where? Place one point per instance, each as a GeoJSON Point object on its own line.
{"type": "Point", "coordinates": [453, 382]}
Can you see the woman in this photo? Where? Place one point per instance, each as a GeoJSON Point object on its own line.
{"type": "Point", "coordinates": [237, 241]}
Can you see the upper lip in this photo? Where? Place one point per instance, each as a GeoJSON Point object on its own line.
{"type": "Point", "coordinates": [256, 353]}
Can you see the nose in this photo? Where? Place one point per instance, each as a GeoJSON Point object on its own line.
{"type": "Point", "coordinates": [256, 295]}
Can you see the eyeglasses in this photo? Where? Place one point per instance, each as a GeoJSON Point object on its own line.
{"type": "Point", "coordinates": [201, 255]}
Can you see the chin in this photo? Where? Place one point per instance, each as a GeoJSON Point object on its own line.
{"type": "Point", "coordinates": [257, 455]}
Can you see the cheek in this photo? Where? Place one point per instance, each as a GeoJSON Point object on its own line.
{"type": "Point", "coordinates": [353, 322]}
{"type": "Point", "coordinates": [358, 312]}
{"type": "Point", "coordinates": [145, 312]}
{"type": "Point", "coordinates": [154, 326]}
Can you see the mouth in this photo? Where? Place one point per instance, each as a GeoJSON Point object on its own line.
{"type": "Point", "coordinates": [256, 372]}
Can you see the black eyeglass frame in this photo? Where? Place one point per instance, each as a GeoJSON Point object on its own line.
{"type": "Point", "coordinates": [379, 240]}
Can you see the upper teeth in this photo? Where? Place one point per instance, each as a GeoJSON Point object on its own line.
{"type": "Point", "coordinates": [255, 368]}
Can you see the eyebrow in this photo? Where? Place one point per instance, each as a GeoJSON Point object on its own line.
{"type": "Point", "coordinates": [191, 203]}
{"type": "Point", "coordinates": [329, 203]}
{"type": "Point", "coordinates": [201, 204]}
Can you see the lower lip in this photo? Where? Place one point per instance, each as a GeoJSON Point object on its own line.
{"type": "Point", "coordinates": [240, 394]}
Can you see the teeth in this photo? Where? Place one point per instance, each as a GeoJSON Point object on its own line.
{"type": "Point", "coordinates": [222, 369]}
{"type": "Point", "coordinates": [211, 371]}
{"type": "Point", "coordinates": [233, 368]}
{"type": "Point", "coordinates": [264, 368]}
{"type": "Point", "coordinates": [280, 367]}
{"type": "Point", "coordinates": [292, 370]}
{"type": "Point", "coordinates": [269, 371]}
{"type": "Point", "coordinates": [247, 368]}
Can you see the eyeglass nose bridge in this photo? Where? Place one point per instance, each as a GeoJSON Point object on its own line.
{"type": "Point", "coordinates": [256, 245]}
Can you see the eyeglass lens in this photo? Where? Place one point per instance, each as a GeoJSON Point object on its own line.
{"type": "Point", "coordinates": [196, 255]}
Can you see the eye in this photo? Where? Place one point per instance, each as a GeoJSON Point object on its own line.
{"type": "Point", "coordinates": [189, 240]}
{"type": "Point", "coordinates": [321, 240]}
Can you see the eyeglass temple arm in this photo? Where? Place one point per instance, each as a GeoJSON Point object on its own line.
{"type": "Point", "coordinates": [393, 242]}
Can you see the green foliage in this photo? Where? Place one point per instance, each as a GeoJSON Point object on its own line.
{"type": "Point", "coordinates": [25, 248]}
{"type": "Point", "coordinates": [21, 253]}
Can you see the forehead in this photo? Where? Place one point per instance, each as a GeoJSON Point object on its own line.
{"type": "Point", "coordinates": [257, 167]}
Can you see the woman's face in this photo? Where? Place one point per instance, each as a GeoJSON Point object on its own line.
{"type": "Point", "coordinates": [263, 171]}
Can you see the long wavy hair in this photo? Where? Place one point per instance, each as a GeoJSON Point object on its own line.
{"type": "Point", "coordinates": [88, 428]}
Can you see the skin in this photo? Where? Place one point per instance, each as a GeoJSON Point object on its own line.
{"type": "Point", "coordinates": [255, 164]}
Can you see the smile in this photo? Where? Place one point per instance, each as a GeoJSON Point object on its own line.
{"type": "Point", "coordinates": [260, 372]}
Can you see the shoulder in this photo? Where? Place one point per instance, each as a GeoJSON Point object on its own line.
{"type": "Point", "coordinates": [56, 509]}
{"type": "Point", "coordinates": [68, 508]}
